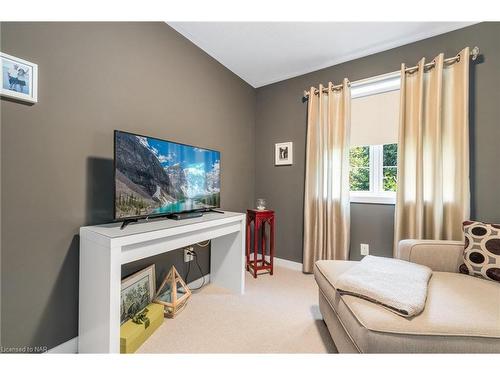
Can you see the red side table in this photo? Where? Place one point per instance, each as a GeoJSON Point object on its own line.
{"type": "Point", "coordinates": [259, 219]}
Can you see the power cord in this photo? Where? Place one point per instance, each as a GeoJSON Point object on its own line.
{"type": "Point", "coordinates": [195, 255]}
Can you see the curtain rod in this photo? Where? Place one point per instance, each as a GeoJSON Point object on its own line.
{"type": "Point", "coordinates": [474, 53]}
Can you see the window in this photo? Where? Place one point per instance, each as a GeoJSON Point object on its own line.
{"type": "Point", "coordinates": [359, 175]}
{"type": "Point", "coordinates": [374, 133]}
{"type": "Point", "coordinates": [389, 167]}
{"type": "Point", "coordinates": [373, 173]}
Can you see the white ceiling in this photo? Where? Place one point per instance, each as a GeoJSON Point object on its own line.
{"type": "Point", "coordinates": [265, 52]}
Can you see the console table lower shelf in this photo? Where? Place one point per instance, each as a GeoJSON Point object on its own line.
{"type": "Point", "coordinates": [105, 248]}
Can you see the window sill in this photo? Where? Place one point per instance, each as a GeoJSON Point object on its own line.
{"type": "Point", "coordinates": [373, 199]}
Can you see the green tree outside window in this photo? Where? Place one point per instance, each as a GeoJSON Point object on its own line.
{"type": "Point", "coordinates": [390, 167]}
{"type": "Point", "coordinates": [383, 168]}
{"type": "Point", "coordinates": [359, 176]}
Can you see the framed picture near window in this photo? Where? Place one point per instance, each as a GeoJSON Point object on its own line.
{"type": "Point", "coordinates": [283, 153]}
{"type": "Point", "coordinates": [19, 79]}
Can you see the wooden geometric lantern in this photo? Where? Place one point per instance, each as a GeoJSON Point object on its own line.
{"type": "Point", "coordinates": [173, 293]}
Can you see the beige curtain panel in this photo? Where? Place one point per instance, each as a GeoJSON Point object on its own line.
{"type": "Point", "coordinates": [433, 197]}
{"type": "Point", "coordinates": [326, 198]}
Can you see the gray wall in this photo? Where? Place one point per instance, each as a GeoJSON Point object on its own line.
{"type": "Point", "coordinates": [372, 224]}
{"type": "Point", "coordinates": [144, 77]}
{"type": "Point", "coordinates": [56, 155]}
{"type": "Point", "coordinates": [281, 116]}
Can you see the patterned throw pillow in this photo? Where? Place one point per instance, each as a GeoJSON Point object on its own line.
{"type": "Point", "coordinates": [482, 250]}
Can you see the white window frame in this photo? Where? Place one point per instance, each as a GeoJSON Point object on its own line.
{"type": "Point", "coordinates": [376, 194]}
{"type": "Point", "coordinates": [376, 85]}
{"type": "Point", "coordinates": [366, 87]}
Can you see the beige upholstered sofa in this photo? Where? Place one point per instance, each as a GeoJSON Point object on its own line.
{"type": "Point", "coordinates": [462, 313]}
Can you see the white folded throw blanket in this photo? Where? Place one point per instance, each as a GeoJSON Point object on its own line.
{"type": "Point", "coordinates": [397, 285]}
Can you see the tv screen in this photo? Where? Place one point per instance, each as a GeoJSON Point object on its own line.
{"type": "Point", "coordinates": [155, 177]}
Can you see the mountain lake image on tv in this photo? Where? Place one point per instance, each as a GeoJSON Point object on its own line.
{"type": "Point", "coordinates": [156, 177]}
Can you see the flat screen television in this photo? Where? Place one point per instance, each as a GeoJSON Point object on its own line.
{"type": "Point", "coordinates": [155, 177]}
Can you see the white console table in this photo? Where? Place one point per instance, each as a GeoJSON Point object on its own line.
{"type": "Point", "coordinates": [104, 248]}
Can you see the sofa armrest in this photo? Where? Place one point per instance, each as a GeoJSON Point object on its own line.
{"type": "Point", "coordinates": [442, 256]}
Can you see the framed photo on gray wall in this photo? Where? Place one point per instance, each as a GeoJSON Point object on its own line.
{"type": "Point", "coordinates": [19, 79]}
{"type": "Point", "coordinates": [283, 153]}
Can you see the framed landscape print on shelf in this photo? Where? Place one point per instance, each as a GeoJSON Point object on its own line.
{"type": "Point", "coordinates": [283, 153]}
{"type": "Point", "coordinates": [138, 291]}
{"type": "Point", "coordinates": [19, 79]}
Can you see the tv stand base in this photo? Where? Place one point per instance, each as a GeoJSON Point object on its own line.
{"type": "Point", "coordinates": [127, 222]}
{"type": "Point", "coordinates": [178, 216]}
{"type": "Point", "coordinates": [185, 215]}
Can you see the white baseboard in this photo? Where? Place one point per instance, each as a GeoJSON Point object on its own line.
{"type": "Point", "coordinates": [68, 347]}
{"type": "Point", "coordinates": [197, 283]}
{"type": "Point", "coordinates": [280, 262]}
{"type": "Point", "coordinates": [296, 266]}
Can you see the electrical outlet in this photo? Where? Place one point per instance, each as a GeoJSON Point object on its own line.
{"type": "Point", "coordinates": [365, 249]}
{"type": "Point", "coordinates": [187, 256]}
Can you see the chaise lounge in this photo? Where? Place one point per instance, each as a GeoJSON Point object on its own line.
{"type": "Point", "coordinates": [461, 315]}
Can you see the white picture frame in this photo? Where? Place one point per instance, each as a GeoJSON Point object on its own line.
{"type": "Point", "coordinates": [19, 78]}
{"type": "Point", "coordinates": [283, 153]}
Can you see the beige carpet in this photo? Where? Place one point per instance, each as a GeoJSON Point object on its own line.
{"type": "Point", "coordinates": [277, 314]}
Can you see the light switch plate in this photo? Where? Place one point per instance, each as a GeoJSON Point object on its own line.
{"type": "Point", "coordinates": [365, 249]}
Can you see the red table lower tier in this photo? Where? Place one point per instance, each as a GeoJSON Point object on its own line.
{"type": "Point", "coordinates": [263, 223]}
